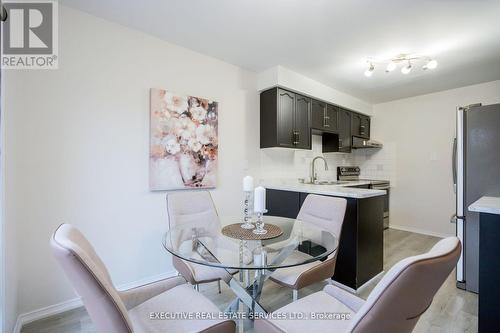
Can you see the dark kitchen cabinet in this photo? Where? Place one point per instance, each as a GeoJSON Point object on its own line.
{"type": "Point", "coordinates": [302, 122]}
{"type": "Point", "coordinates": [288, 119]}
{"type": "Point", "coordinates": [318, 114]}
{"type": "Point", "coordinates": [345, 136]}
{"type": "Point", "coordinates": [361, 246]}
{"type": "Point", "coordinates": [283, 203]}
{"type": "Point", "coordinates": [360, 125]}
{"type": "Point", "coordinates": [331, 119]}
{"type": "Point", "coordinates": [324, 116]}
{"type": "Point", "coordinates": [285, 119]}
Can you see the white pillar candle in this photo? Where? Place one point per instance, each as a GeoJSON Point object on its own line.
{"type": "Point", "coordinates": [259, 200]}
{"type": "Point", "coordinates": [248, 184]}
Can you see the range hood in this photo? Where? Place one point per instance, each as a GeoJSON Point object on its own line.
{"type": "Point", "coordinates": [358, 143]}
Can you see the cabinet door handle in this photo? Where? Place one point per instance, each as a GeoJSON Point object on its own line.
{"type": "Point", "coordinates": [295, 137]}
{"type": "Point", "coordinates": [298, 137]}
{"type": "Point", "coordinates": [340, 143]}
{"type": "Point", "coordinates": [325, 121]}
{"type": "Point", "coordinates": [362, 129]}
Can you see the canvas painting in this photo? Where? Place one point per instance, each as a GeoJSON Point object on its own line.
{"type": "Point", "coordinates": [183, 141]}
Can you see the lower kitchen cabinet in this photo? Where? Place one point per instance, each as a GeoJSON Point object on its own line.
{"type": "Point", "coordinates": [360, 252]}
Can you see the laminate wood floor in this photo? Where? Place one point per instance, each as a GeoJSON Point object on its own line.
{"type": "Point", "coordinates": [452, 310]}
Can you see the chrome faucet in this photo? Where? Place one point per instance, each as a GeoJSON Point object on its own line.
{"type": "Point", "coordinates": [314, 175]}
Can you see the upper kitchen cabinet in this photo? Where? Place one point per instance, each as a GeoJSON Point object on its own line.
{"type": "Point", "coordinates": [345, 136]}
{"type": "Point", "coordinates": [324, 116]}
{"type": "Point", "coordinates": [332, 118]}
{"type": "Point", "coordinates": [318, 111]}
{"type": "Point", "coordinates": [360, 125]}
{"type": "Point", "coordinates": [302, 122]}
{"type": "Point", "coordinates": [285, 119]}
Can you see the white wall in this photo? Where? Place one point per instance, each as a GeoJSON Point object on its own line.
{"type": "Point", "coordinates": [77, 149]}
{"type": "Point", "coordinates": [284, 77]}
{"type": "Point", "coordinates": [8, 257]}
{"type": "Point", "coordinates": [421, 130]}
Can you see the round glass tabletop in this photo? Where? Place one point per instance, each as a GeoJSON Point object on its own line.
{"type": "Point", "coordinates": [300, 243]}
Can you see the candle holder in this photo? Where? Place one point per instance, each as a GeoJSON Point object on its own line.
{"type": "Point", "coordinates": [260, 225]}
{"type": "Point", "coordinates": [246, 217]}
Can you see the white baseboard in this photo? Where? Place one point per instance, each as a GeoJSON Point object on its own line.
{"type": "Point", "coordinates": [74, 303]}
{"type": "Point", "coordinates": [419, 231]}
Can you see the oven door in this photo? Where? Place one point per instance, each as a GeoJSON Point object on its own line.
{"type": "Point", "coordinates": [387, 189]}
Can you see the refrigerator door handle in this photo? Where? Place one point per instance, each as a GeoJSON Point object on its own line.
{"type": "Point", "coordinates": [454, 165]}
{"type": "Point", "coordinates": [453, 219]}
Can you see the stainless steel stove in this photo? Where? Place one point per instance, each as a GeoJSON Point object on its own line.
{"type": "Point", "coordinates": [351, 173]}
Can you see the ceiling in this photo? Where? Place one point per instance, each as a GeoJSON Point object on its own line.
{"type": "Point", "coordinates": [327, 40]}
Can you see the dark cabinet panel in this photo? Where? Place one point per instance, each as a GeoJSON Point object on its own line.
{"type": "Point", "coordinates": [360, 250]}
{"type": "Point", "coordinates": [489, 272]}
{"type": "Point", "coordinates": [268, 118]}
{"type": "Point", "coordinates": [370, 238]}
{"type": "Point", "coordinates": [286, 118]}
{"type": "Point", "coordinates": [330, 142]}
{"type": "Point", "coordinates": [365, 127]}
{"type": "Point", "coordinates": [331, 118]}
{"type": "Point", "coordinates": [360, 125]}
{"type": "Point", "coordinates": [324, 116]}
{"type": "Point", "coordinates": [355, 124]}
{"type": "Point", "coordinates": [302, 122]}
{"type": "Point", "coordinates": [318, 114]}
{"type": "Point", "coordinates": [283, 203]}
{"type": "Point", "coordinates": [344, 131]}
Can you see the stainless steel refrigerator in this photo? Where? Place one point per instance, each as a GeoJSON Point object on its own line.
{"type": "Point", "coordinates": [476, 172]}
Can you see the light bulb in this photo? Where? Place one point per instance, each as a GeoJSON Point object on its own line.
{"type": "Point", "coordinates": [406, 69]}
{"type": "Point", "coordinates": [369, 70]}
{"type": "Point", "coordinates": [431, 64]}
{"type": "Point", "coordinates": [390, 67]}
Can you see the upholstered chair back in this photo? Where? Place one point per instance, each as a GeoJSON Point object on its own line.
{"type": "Point", "coordinates": [195, 208]}
{"type": "Point", "coordinates": [407, 290]}
{"type": "Point", "coordinates": [90, 279]}
{"type": "Point", "coordinates": [324, 212]}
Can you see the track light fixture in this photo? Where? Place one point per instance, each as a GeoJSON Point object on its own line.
{"type": "Point", "coordinates": [391, 66]}
{"type": "Point", "coordinates": [431, 64]}
{"type": "Point", "coordinates": [406, 59]}
{"type": "Point", "coordinates": [369, 70]}
{"type": "Point", "coordinates": [407, 68]}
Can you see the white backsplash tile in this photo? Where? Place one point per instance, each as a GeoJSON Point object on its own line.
{"type": "Point", "coordinates": [283, 163]}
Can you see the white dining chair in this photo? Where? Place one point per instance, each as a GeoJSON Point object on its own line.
{"type": "Point", "coordinates": [395, 304]}
{"type": "Point", "coordinates": [197, 209]}
{"type": "Point", "coordinates": [326, 213]}
{"type": "Point", "coordinates": [130, 311]}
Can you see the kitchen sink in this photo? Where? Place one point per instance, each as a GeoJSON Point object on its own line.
{"type": "Point", "coordinates": [329, 182]}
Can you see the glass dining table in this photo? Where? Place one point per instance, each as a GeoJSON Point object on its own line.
{"type": "Point", "coordinates": [255, 260]}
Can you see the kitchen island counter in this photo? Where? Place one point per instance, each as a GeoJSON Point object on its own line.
{"type": "Point", "coordinates": [338, 190]}
{"type": "Point", "coordinates": [361, 247]}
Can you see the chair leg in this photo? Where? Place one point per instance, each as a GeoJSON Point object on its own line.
{"type": "Point", "coordinates": [218, 284]}
{"type": "Point", "coordinates": [295, 295]}
{"type": "Point", "coordinates": [197, 287]}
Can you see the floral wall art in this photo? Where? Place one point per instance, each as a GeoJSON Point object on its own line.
{"type": "Point", "coordinates": [184, 141]}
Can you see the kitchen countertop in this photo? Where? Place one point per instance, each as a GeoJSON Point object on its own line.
{"type": "Point", "coordinates": [489, 205]}
{"type": "Point", "coordinates": [337, 190]}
